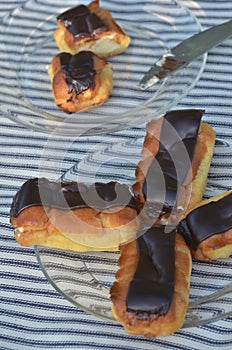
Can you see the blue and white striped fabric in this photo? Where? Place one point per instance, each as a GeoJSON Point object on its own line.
{"type": "Point", "coordinates": [33, 314]}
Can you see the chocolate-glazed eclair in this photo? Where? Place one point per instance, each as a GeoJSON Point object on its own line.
{"type": "Point", "coordinates": [80, 82]}
{"type": "Point", "coordinates": [74, 216]}
{"type": "Point", "coordinates": [151, 292]}
{"type": "Point", "coordinates": [172, 175]}
{"type": "Point", "coordinates": [207, 228]}
{"type": "Point", "coordinates": [90, 28]}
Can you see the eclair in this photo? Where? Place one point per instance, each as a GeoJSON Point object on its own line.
{"type": "Point", "coordinates": [73, 215]}
{"type": "Point", "coordinates": [90, 28]}
{"type": "Point", "coordinates": [80, 82]}
{"type": "Point", "coordinates": [207, 229]}
{"type": "Point", "coordinates": [172, 175]}
{"type": "Point", "coordinates": [151, 292]}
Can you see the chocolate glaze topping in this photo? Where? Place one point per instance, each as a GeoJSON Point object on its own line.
{"type": "Point", "coordinates": [71, 195]}
{"type": "Point", "coordinates": [206, 221]}
{"type": "Point", "coordinates": [169, 168]}
{"type": "Point", "coordinates": [79, 71]}
{"type": "Point", "coordinates": [81, 22]}
{"type": "Point", "coordinates": [152, 287]}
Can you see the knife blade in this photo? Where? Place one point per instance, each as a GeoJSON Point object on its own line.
{"type": "Point", "coordinates": [185, 52]}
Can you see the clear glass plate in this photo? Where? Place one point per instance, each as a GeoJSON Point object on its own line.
{"type": "Point", "coordinates": [85, 278]}
{"type": "Point", "coordinates": [27, 47]}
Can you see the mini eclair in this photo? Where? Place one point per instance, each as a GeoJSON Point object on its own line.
{"type": "Point", "coordinates": [90, 28]}
{"type": "Point", "coordinates": [80, 82]}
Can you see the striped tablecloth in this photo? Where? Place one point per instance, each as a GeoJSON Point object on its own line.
{"type": "Point", "coordinates": [33, 313]}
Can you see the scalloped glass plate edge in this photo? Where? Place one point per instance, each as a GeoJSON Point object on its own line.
{"type": "Point", "coordinates": [210, 298]}
{"type": "Point", "coordinates": [20, 111]}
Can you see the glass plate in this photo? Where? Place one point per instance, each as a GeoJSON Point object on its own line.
{"type": "Point", "coordinates": [85, 278]}
{"type": "Point", "coordinates": [27, 47]}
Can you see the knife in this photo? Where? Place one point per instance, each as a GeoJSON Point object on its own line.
{"type": "Point", "coordinates": [185, 52]}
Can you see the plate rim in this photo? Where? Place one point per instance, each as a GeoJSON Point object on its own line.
{"type": "Point", "coordinates": [222, 148]}
{"type": "Point", "coordinates": [119, 118]}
